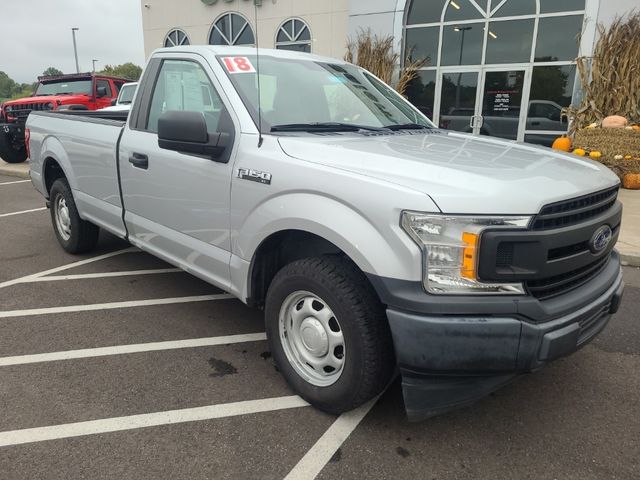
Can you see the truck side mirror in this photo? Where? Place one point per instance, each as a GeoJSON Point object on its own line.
{"type": "Point", "coordinates": [186, 132]}
{"type": "Point", "coordinates": [101, 92]}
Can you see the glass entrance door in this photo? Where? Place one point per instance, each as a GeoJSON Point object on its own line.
{"type": "Point", "coordinates": [501, 109]}
{"type": "Point", "coordinates": [458, 101]}
{"type": "Point", "coordinates": [483, 102]}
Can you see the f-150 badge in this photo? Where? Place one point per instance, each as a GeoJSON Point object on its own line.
{"type": "Point", "coordinates": [254, 175]}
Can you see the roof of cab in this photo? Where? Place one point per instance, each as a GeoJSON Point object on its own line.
{"type": "Point", "coordinates": [236, 51]}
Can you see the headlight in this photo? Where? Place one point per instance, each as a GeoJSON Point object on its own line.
{"type": "Point", "coordinates": [450, 245]}
{"type": "Point", "coordinates": [49, 106]}
{"type": "Point", "coordinates": [9, 108]}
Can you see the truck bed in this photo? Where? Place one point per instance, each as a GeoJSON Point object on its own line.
{"type": "Point", "coordinates": [85, 144]}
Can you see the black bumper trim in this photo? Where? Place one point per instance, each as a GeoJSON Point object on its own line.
{"type": "Point", "coordinates": [409, 296]}
{"type": "Point", "coordinates": [451, 361]}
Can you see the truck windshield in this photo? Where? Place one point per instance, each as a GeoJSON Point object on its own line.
{"type": "Point", "coordinates": [126, 94]}
{"type": "Point", "coordinates": [301, 96]}
{"type": "Point", "coordinates": [64, 87]}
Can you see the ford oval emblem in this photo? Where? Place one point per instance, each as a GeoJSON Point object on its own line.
{"type": "Point", "coordinates": [601, 239]}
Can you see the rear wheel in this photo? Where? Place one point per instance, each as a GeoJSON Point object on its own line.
{"type": "Point", "coordinates": [74, 234]}
{"type": "Point", "coordinates": [328, 333]}
{"type": "Point", "coordinates": [10, 151]}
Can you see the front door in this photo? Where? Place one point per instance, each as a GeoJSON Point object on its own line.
{"type": "Point", "coordinates": [483, 102]}
{"type": "Point", "coordinates": [177, 205]}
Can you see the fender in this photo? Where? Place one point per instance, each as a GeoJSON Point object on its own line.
{"type": "Point", "coordinates": [52, 149]}
{"type": "Point", "coordinates": [389, 254]}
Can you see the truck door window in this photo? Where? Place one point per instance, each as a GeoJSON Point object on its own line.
{"type": "Point", "coordinates": [183, 85]}
{"type": "Point", "coordinates": [105, 84]}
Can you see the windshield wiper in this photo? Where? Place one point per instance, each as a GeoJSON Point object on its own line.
{"type": "Point", "coordinates": [323, 127]}
{"type": "Point", "coordinates": [407, 126]}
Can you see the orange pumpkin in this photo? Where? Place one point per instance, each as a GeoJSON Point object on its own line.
{"type": "Point", "coordinates": [614, 121]}
{"type": "Point", "coordinates": [562, 143]}
{"type": "Point", "coordinates": [631, 181]}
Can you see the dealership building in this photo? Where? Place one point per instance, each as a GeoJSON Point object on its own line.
{"type": "Point", "coordinates": [496, 67]}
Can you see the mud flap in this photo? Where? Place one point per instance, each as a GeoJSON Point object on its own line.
{"type": "Point", "coordinates": [426, 397]}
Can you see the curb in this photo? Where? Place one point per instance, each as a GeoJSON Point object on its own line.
{"type": "Point", "coordinates": [631, 259]}
{"type": "Point", "coordinates": [20, 170]}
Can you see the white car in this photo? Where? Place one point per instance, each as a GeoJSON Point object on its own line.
{"type": "Point", "coordinates": [125, 98]}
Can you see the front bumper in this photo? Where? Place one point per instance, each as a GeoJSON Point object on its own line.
{"type": "Point", "coordinates": [451, 360]}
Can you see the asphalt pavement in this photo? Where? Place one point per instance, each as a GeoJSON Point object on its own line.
{"type": "Point", "coordinates": [116, 365]}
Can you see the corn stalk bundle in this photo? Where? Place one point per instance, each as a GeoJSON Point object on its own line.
{"type": "Point", "coordinates": [611, 78]}
{"type": "Point", "coordinates": [377, 55]}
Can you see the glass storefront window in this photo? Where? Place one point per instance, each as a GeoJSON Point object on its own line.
{"type": "Point", "coordinates": [458, 10]}
{"type": "Point", "coordinates": [551, 91]}
{"type": "Point", "coordinates": [462, 44]}
{"type": "Point", "coordinates": [422, 43]}
{"type": "Point", "coordinates": [485, 57]}
{"type": "Point", "coordinates": [510, 41]}
{"type": "Point", "coordinates": [558, 38]}
{"type": "Point", "coordinates": [425, 11]}
{"type": "Point", "coordinates": [552, 6]}
{"type": "Point", "coordinates": [515, 7]}
{"type": "Point", "coordinates": [421, 91]}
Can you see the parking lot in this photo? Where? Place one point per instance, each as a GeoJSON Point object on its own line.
{"type": "Point", "coordinates": [116, 365]}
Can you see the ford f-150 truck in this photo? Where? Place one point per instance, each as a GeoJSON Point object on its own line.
{"type": "Point", "coordinates": [82, 91]}
{"type": "Point", "coordinates": [374, 241]}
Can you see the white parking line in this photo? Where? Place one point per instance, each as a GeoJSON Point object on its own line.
{"type": "Point", "coordinates": [82, 276]}
{"type": "Point", "coordinates": [133, 348]}
{"type": "Point", "coordinates": [319, 455]}
{"type": "Point", "coordinates": [112, 305]}
{"type": "Point", "coordinates": [68, 266]}
{"type": "Point", "coordinates": [23, 211]}
{"type": "Point", "coordinates": [14, 182]}
{"type": "Point", "coordinates": [93, 427]}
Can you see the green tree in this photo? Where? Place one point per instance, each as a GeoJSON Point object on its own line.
{"type": "Point", "coordinates": [127, 70]}
{"type": "Point", "coordinates": [52, 71]}
{"type": "Point", "coordinates": [7, 86]}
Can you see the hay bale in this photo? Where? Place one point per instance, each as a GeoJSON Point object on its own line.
{"type": "Point", "coordinates": [611, 142]}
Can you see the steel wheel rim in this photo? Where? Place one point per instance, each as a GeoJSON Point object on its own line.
{"type": "Point", "coordinates": [312, 338]}
{"type": "Point", "coordinates": [63, 219]}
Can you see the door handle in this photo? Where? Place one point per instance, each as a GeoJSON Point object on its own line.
{"type": "Point", "coordinates": [535, 124]}
{"type": "Point", "coordinates": [139, 160]}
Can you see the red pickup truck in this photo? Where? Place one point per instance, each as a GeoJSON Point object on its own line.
{"type": "Point", "coordinates": [82, 91]}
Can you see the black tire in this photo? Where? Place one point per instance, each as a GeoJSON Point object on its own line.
{"type": "Point", "coordinates": [369, 360]}
{"type": "Point", "coordinates": [83, 235]}
{"type": "Point", "coordinates": [9, 152]}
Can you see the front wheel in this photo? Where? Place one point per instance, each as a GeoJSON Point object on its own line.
{"type": "Point", "coordinates": [328, 333]}
{"type": "Point", "coordinates": [74, 234]}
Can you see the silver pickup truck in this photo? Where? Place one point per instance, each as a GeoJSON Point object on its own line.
{"type": "Point", "coordinates": [374, 241]}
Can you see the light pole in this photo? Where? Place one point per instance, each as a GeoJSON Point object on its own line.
{"type": "Point", "coordinates": [94, 64]}
{"type": "Point", "coordinates": [75, 47]}
{"type": "Point", "coordinates": [463, 30]}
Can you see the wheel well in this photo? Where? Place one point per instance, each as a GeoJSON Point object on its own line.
{"type": "Point", "coordinates": [278, 250]}
{"type": "Point", "coordinates": [52, 171]}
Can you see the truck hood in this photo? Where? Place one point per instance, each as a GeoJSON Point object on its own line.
{"type": "Point", "coordinates": [63, 99]}
{"type": "Point", "coordinates": [461, 173]}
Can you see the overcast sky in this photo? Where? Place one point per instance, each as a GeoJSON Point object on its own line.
{"type": "Point", "coordinates": [36, 34]}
